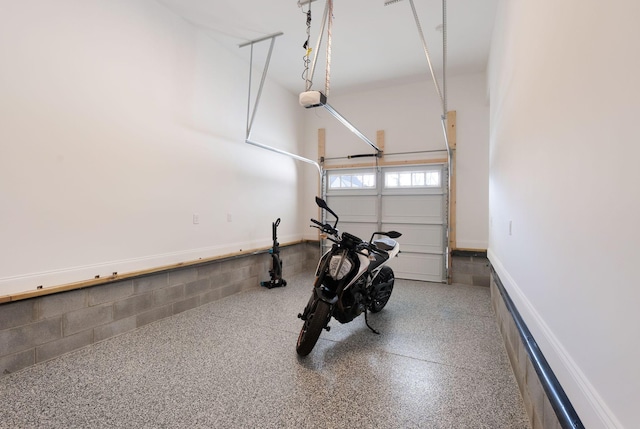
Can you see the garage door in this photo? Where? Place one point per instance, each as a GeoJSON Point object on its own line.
{"type": "Point", "coordinates": [411, 200]}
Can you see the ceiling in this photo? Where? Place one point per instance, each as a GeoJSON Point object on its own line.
{"type": "Point", "coordinates": [372, 44]}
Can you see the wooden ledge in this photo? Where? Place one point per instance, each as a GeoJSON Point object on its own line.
{"type": "Point", "coordinates": [110, 279]}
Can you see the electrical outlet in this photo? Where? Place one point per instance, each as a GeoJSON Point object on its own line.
{"type": "Point", "coordinates": [196, 218]}
{"type": "Point", "coordinates": [229, 217]}
{"type": "Point", "coordinates": [510, 227]}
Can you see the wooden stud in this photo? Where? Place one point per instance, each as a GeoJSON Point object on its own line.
{"type": "Point", "coordinates": [416, 162]}
{"type": "Point", "coordinates": [452, 136]}
{"type": "Point", "coordinates": [380, 140]}
{"type": "Point", "coordinates": [322, 145]}
{"type": "Point", "coordinates": [451, 128]}
{"type": "Point", "coordinates": [322, 153]}
{"type": "Point", "coordinates": [387, 163]}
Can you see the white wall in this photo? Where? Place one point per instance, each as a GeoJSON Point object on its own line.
{"type": "Point", "coordinates": [119, 121]}
{"type": "Point", "coordinates": [563, 169]}
{"type": "Point", "coordinates": [410, 116]}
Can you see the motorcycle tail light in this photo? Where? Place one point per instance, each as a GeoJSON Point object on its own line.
{"type": "Point", "coordinates": [339, 266]}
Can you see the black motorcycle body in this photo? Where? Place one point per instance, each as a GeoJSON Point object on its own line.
{"type": "Point", "coordinates": [351, 279]}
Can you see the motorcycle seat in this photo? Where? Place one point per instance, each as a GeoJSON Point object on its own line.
{"type": "Point", "coordinates": [385, 244]}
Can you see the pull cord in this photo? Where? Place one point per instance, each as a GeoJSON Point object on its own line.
{"type": "Point", "coordinates": [327, 82]}
{"type": "Point", "coordinates": [306, 59]}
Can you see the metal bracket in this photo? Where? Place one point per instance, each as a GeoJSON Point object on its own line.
{"type": "Point", "coordinates": [252, 114]}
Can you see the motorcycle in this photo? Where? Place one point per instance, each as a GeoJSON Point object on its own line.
{"type": "Point", "coordinates": [351, 279]}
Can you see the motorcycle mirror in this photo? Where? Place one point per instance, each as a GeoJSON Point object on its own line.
{"type": "Point", "coordinates": [321, 203]}
{"type": "Point", "coordinates": [393, 234]}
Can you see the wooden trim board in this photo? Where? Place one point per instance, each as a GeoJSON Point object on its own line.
{"type": "Point", "coordinates": [102, 280]}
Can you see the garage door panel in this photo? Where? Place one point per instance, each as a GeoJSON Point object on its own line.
{"type": "Point", "coordinates": [412, 209]}
{"type": "Point", "coordinates": [362, 230]}
{"type": "Point", "coordinates": [418, 238]}
{"type": "Point", "coordinates": [354, 208]}
{"type": "Point", "coordinates": [417, 266]}
{"type": "Point", "coordinates": [404, 199]}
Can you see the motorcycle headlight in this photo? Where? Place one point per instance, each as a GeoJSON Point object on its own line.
{"type": "Point", "coordinates": [339, 266]}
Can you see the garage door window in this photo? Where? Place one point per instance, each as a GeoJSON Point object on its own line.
{"type": "Point", "coordinates": [350, 181]}
{"type": "Point", "coordinates": [412, 179]}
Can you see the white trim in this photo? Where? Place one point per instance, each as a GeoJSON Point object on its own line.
{"type": "Point", "coordinates": [556, 352]}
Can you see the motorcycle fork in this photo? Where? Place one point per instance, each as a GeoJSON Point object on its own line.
{"type": "Point", "coordinates": [314, 296]}
{"type": "Point", "coordinates": [310, 309]}
{"type": "Point", "coordinates": [307, 308]}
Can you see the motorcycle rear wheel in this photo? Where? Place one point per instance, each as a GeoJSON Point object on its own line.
{"type": "Point", "coordinates": [312, 328]}
{"type": "Point", "coordinates": [381, 299]}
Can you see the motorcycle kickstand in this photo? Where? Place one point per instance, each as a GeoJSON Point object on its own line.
{"type": "Point", "coordinates": [366, 321]}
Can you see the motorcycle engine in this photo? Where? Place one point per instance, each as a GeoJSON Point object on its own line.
{"type": "Point", "coordinates": [352, 303]}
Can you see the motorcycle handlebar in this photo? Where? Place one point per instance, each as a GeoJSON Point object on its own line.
{"type": "Point", "coordinates": [317, 222]}
{"type": "Point", "coordinates": [324, 227]}
{"type": "Point", "coordinates": [371, 248]}
{"type": "Point", "coordinates": [331, 230]}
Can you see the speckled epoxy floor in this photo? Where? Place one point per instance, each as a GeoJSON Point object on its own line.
{"type": "Point", "coordinates": [438, 363]}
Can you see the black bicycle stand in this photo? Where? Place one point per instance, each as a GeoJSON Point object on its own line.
{"type": "Point", "coordinates": [276, 264]}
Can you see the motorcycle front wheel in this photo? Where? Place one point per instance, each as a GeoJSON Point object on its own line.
{"type": "Point", "coordinates": [312, 328]}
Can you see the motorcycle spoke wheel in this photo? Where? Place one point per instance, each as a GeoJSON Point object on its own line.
{"type": "Point", "coordinates": [312, 328]}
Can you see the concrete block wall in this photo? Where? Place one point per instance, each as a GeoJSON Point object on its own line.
{"type": "Point", "coordinates": [539, 409]}
{"type": "Point", "coordinates": [42, 328]}
{"type": "Point", "coordinates": [470, 268]}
